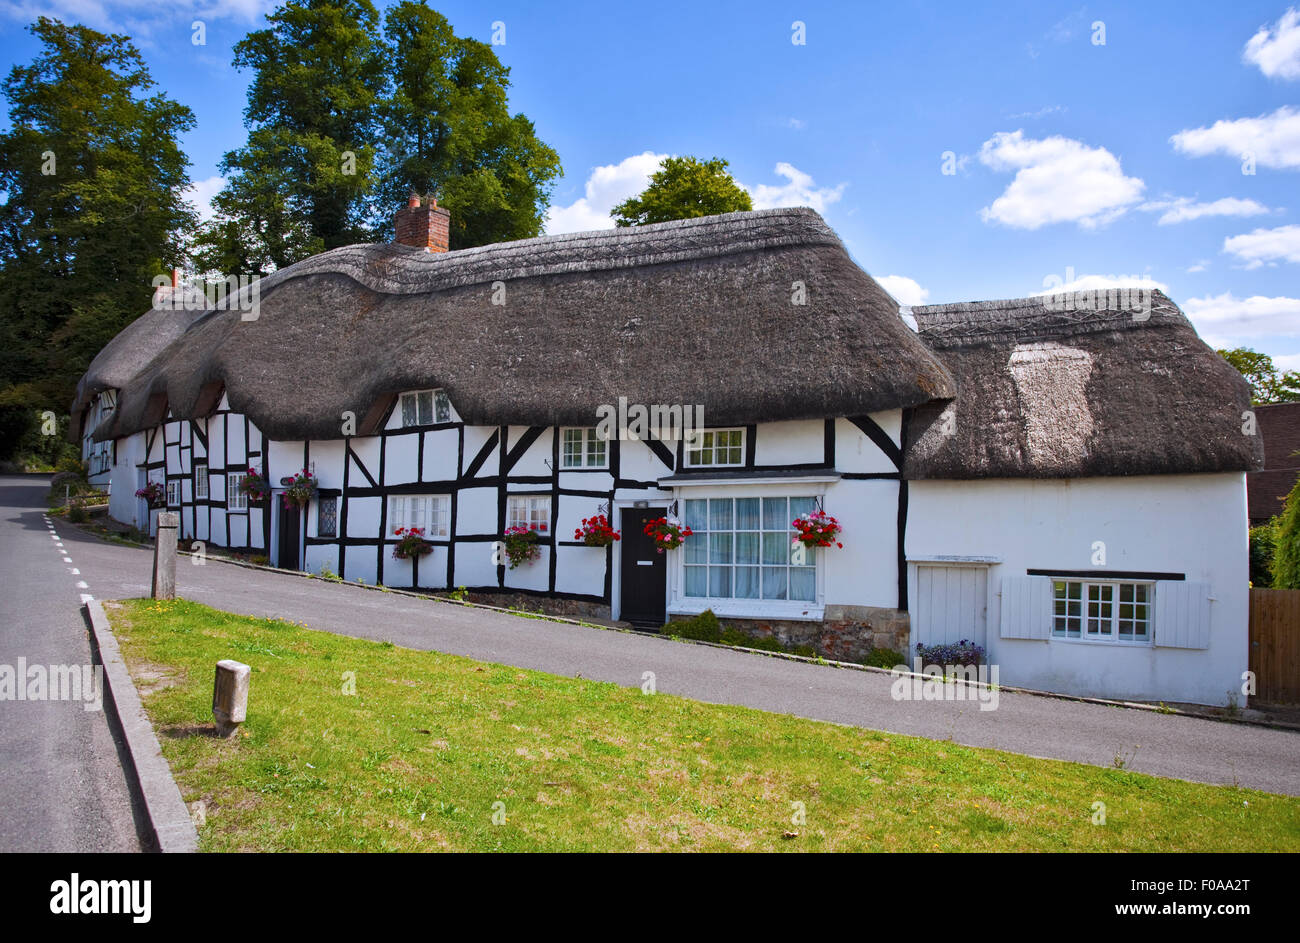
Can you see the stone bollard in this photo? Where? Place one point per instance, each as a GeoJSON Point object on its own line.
{"type": "Point", "coordinates": [164, 556]}
{"type": "Point", "coordinates": [230, 696]}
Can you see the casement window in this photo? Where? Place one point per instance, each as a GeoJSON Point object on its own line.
{"type": "Point", "coordinates": [1110, 612]}
{"type": "Point", "coordinates": [200, 482]}
{"type": "Point", "coordinates": [173, 493]}
{"type": "Point", "coordinates": [327, 517]}
{"type": "Point", "coordinates": [582, 448]}
{"type": "Point", "coordinates": [531, 511]}
{"type": "Point", "coordinates": [429, 512]}
{"type": "Point", "coordinates": [425, 407]}
{"type": "Point", "coordinates": [236, 500]}
{"type": "Point", "coordinates": [717, 447]}
{"type": "Point", "coordinates": [741, 549]}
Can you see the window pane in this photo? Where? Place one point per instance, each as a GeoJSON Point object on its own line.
{"type": "Point", "coordinates": [720, 514]}
{"type": "Point", "coordinates": [776, 514]}
{"type": "Point", "coordinates": [408, 409]}
{"type": "Point", "coordinates": [803, 583]}
{"type": "Point", "coordinates": [697, 549]}
{"type": "Point", "coordinates": [801, 506]}
{"type": "Point", "coordinates": [776, 548]}
{"type": "Point", "coordinates": [572, 448]}
{"type": "Point", "coordinates": [595, 450]}
{"type": "Point", "coordinates": [696, 580]}
{"type": "Point", "coordinates": [774, 582]}
{"type": "Point", "coordinates": [747, 514]}
{"type": "Point", "coordinates": [747, 547]}
{"type": "Point", "coordinates": [426, 408]}
{"type": "Point", "coordinates": [719, 581]}
{"type": "Point", "coordinates": [719, 548]}
{"type": "Point", "coordinates": [696, 515]}
{"type": "Point", "coordinates": [442, 407]}
{"type": "Point", "coordinates": [746, 582]}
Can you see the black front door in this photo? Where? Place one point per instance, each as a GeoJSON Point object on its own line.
{"type": "Point", "coordinates": [289, 532]}
{"type": "Point", "coordinates": [643, 575]}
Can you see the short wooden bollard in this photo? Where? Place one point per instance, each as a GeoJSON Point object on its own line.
{"type": "Point", "coordinates": [230, 696]}
{"type": "Point", "coordinates": [164, 556]}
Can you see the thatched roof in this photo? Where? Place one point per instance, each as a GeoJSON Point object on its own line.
{"type": "Point", "coordinates": [697, 311]}
{"type": "Point", "coordinates": [1071, 393]}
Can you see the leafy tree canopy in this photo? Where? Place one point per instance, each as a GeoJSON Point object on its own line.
{"type": "Point", "coordinates": [1267, 383]}
{"type": "Point", "coordinates": [684, 188]}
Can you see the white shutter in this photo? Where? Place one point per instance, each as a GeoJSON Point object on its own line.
{"type": "Point", "coordinates": [1182, 614]}
{"type": "Point", "coordinates": [1026, 607]}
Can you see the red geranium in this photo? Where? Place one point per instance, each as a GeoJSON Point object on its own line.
{"type": "Point", "coordinates": [596, 532]}
{"type": "Point", "coordinates": [817, 529]}
{"type": "Point", "coordinates": [668, 534]}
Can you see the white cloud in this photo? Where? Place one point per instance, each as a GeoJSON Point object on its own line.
{"type": "Point", "coordinates": [137, 17]}
{"type": "Point", "coordinates": [608, 186]}
{"type": "Point", "coordinates": [1273, 140]}
{"type": "Point", "coordinates": [1225, 315]}
{"type": "Point", "coordinates": [798, 190]}
{"type": "Point", "coordinates": [1266, 245]}
{"type": "Point", "coordinates": [1102, 283]}
{"type": "Point", "coordinates": [905, 290]}
{"type": "Point", "coordinates": [1040, 113]}
{"type": "Point", "coordinates": [1199, 266]}
{"type": "Point", "coordinates": [1287, 362]}
{"type": "Point", "coordinates": [201, 192]}
{"type": "Point", "coordinates": [1277, 50]}
{"type": "Point", "coordinates": [1182, 209]}
{"type": "Point", "coordinates": [798, 124]}
{"type": "Point", "coordinates": [1058, 180]}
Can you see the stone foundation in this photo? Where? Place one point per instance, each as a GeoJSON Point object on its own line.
{"type": "Point", "coordinates": [551, 605]}
{"type": "Point", "coordinates": [847, 633]}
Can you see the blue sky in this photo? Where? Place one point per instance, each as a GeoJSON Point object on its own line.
{"type": "Point", "coordinates": [1092, 141]}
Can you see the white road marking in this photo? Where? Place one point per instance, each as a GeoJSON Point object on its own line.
{"type": "Point", "coordinates": [82, 584]}
{"type": "Point", "coordinates": [86, 597]}
{"type": "Point", "coordinates": [75, 571]}
{"type": "Point", "coordinates": [67, 559]}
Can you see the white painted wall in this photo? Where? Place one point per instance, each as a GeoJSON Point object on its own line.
{"type": "Point", "coordinates": [1192, 524]}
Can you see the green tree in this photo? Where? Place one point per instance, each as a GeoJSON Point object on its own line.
{"type": "Point", "coordinates": [683, 188]}
{"type": "Point", "coordinates": [94, 178]}
{"type": "Point", "coordinates": [1267, 383]}
{"type": "Point", "coordinates": [301, 184]}
{"type": "Point", "coordinates": [1286, 552]}
{"type": "Point", "coordinates": [448, 131]}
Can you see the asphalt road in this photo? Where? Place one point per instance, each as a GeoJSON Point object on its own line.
{"type": "Point", "coordinates": [1161, 744]}
{"type": "Point", "coordinates": [63, 788]}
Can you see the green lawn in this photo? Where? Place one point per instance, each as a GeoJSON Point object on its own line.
{"type": "Point", "coordinates": [420, 755]}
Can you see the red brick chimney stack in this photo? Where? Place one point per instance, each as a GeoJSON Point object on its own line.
{"type": "Point", "coordinates": [425, 227]}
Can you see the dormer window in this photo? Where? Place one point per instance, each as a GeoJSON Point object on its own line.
{"type": "Point", "coordinates": [716, 448]}
{"type": "Point", "coordinates": [425, 407]}
{"type": "Point", "coordinates": [108, 400]}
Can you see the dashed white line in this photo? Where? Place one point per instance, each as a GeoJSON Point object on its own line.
{"type": "Point", "coordinates": [86, 597]}
{"type": "Point", "coordinates": [74, 571]}
{"type": "Point", "coordinates": [82, 584]}
{"type": "Point", "coordinates": [67, 559]}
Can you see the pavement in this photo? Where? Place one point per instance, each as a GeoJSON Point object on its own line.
{"type": "Point", "coordinates": [63, 788]}
{"type": "Point", "coordinates": [1160, 744]}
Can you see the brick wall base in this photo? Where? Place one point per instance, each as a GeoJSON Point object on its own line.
{"type": "Point", "coordinates": [552, 606]}
{"type": "Point", "coordinates": [848, 633]}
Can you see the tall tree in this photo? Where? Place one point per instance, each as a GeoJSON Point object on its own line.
{"type": "Point", "coordinates": [94, 178]}
{"type": "Point", "coordinates": [448, 130]}
{"type": "Point", "coordinates": [1267, 383]}
{"type": "Point", "coordinates": [683, 188]}
{"type": "Point", "coordinates": [301, 184]}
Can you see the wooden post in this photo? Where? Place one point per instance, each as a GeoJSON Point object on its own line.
{"type": "Point", "coordinates": [230, 696]}
{"type": "Point", "coordinates": [164, 556]}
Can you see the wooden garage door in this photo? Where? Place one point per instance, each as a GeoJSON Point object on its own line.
{"type": "Point", "coordinates": [951, 604]}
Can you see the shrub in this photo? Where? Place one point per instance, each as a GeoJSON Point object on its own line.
{"type": "Point", "coordinates": [1263, 546]}
{"type": "Point", "coordinates": [964, 652]}
{"type": "Point", "coordinates": [702, 628]}
{"type": "Point", "coordinates": [884, 658]}
{"type": "Point", "coordinates": [77, 514]}
{"type": "Point", "coordinates": [1286, 556]}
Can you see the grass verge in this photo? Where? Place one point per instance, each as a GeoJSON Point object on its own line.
{"type": "Point", "coordinates": [433, 750]}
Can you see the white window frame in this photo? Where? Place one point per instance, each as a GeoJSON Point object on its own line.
{"type": "Point", "coordinates": [200, 483]}
{"type": "Point", "coordinates": [437, 404]}
{"type": "Point", "coordinates": [320, 515]}
{"type": "Point", "coordinates": [592, 453]}
{"type": "Point", "coordinates": [430, 512]}
{"type": "Point", "coordinates": [173, 492]}
{"type": "Point", "coordinates": [236, 500]}
{"type": "Point", "coordinates": [700, 542]}
{"type": "Point", "coordinates": [1093, 608]}
{"type": "Point", "coordinates": [526, 510]}
{"type": "Point", "coordinates": [707, 444]}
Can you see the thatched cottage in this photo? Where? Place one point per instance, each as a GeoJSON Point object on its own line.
{"type": "Point", "coordinates": [1066, 488]}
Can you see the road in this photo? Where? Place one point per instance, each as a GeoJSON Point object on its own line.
{"type": "Point", "coordinates": [1160, 744]}
{"type": "Point", "coordinates": [64, 788]}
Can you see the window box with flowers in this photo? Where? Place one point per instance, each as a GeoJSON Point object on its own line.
{"type": "Point", "coordinates": [520, 544]}
{"type": "Point", "coordinates": [300, 490]}
{"type": "Point", "coordinates": [596, 532]}
{"type": "Point", "coordinates": [668, 533]}
{"type": "Point", "coordinates": [411, 543]}
{"type": "Point", "coordinates": [255, 487]}
{"type": "Point", "coordinates": [154, 494]}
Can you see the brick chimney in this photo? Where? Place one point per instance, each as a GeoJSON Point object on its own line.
{"type": "Point", "coordinates": [424, 227]}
